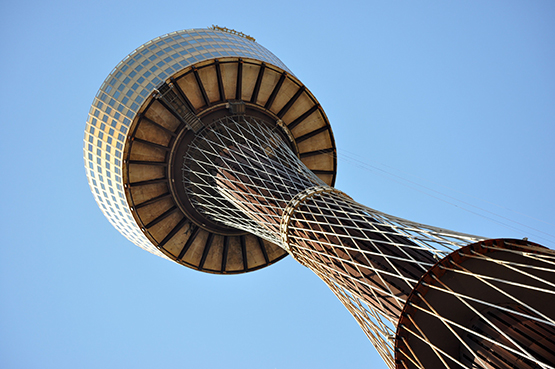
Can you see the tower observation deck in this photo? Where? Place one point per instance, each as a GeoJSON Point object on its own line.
{"type": "Point", "coordinates": [203, 148]}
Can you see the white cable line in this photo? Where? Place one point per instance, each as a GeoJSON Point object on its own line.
{"type": "Point", "coordinates": [400, 180]}
{"type": "Point", "coordinates": [444, 186]}
{"type": "Point", "coordinates": [243, 176]}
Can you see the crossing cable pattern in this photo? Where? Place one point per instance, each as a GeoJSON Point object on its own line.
{"type": "Point", "coordinates": [487, 305]}
{"type": "Point", "coordinates": [425, 297]}
{"type": "Point", "coordinates": [241, 173]}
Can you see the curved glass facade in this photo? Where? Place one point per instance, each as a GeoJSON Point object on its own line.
{"type": "Point", "coordinates": [124, 91]}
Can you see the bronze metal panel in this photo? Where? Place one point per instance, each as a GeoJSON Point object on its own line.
{"type": "Point", "coordinates": [209, 80]}
{"type": "Point", "coordinates": [188, 84]}
{"type": "Point", "coordinates": [159, 114]}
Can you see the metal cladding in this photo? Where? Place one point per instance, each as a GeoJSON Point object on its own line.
{"type": "Point", "coordinates": [149, 108]}
{"type": "Point", "coordinates": [119, 99]}
{"type": "Point", "coordinates": [201, 147]}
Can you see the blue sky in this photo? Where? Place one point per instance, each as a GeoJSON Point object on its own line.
{"type": "Point", "coordinates": [443, 113]}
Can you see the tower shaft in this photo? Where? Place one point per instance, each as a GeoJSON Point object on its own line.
{"type": "Point", "coordinates": [333, 236]}
{"type": "Point", "coordinates": [241, 173]}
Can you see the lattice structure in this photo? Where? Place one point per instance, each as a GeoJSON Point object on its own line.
{"type": "Point", "coordinates": [240, 172]}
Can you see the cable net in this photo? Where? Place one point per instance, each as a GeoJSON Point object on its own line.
{"type": "Point", "coordinates": [241, 173]}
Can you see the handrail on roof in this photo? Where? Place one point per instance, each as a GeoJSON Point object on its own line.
{"type": "Point", "coordinates": [232, 31]}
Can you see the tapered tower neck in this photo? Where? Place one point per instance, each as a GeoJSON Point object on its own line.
{"type": "Point", "coordinates": [240, 173]}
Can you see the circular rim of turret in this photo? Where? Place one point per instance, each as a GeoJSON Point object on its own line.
{"type": "Point", "coordinates": [268, 92]}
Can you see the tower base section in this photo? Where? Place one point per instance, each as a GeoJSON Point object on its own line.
{"type": "Point", "coordinates": [487, 305]}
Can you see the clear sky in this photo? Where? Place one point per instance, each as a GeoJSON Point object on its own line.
{"type": "Point", "coordinates": [443, 113]}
